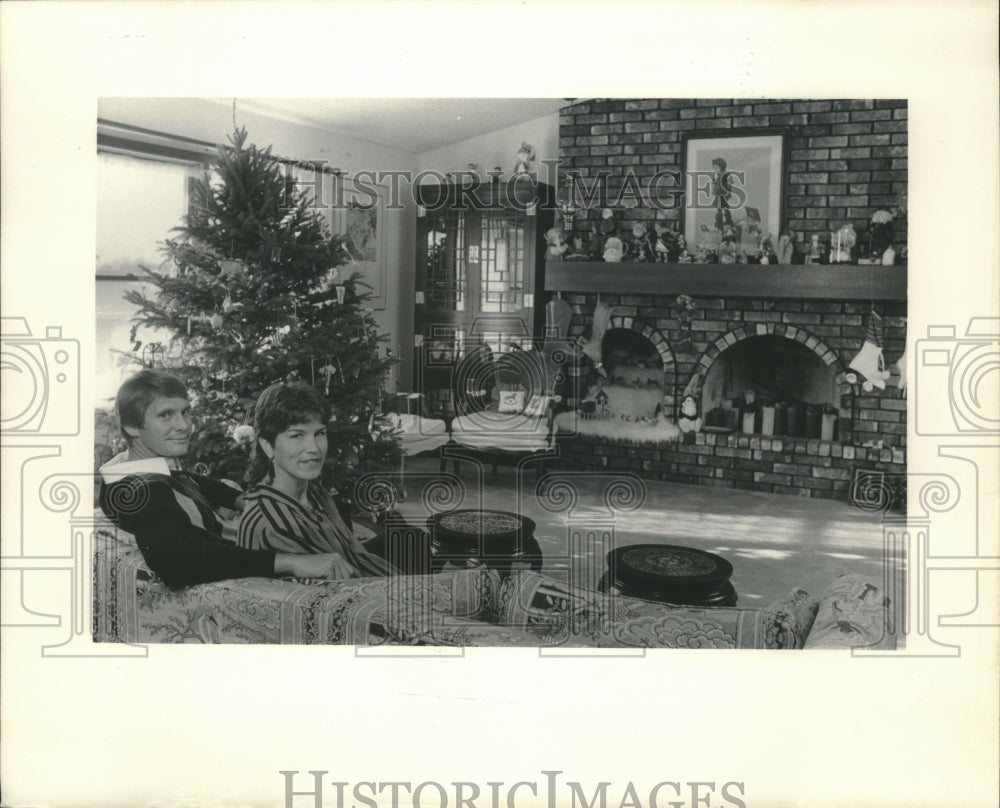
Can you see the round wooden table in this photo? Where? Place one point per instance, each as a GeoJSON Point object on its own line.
{"type": "Point", "coordinates": [669, 573]}
{"type": "Point", "coordinates": [471, 537]}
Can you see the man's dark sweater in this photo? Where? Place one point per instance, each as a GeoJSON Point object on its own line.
{"type": "Point", "coordinates": [170, 513]}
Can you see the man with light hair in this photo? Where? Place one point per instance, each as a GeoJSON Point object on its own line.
{"type": "Point", "coordinates": [170, 511]}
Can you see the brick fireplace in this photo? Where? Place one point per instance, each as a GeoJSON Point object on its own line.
{"type": "Point", "coordinates": [819, 337]}
{"type": "Point", "coordinates": [788, 332]}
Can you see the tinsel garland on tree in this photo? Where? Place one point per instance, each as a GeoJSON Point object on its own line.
{"type": "Point", "coordinates": [254, 290]}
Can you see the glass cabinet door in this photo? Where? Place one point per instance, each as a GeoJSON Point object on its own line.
{"type": "Point", "coordinates": [445, 271]}
{"type": "Point", "coordinates": [502, 261]}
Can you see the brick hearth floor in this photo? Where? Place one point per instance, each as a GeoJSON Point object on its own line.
{"type": "Point", "coordinates": [775, 542]}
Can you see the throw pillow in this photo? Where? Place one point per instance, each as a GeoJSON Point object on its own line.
{"type": "Point", "coordinates": [511, 401]}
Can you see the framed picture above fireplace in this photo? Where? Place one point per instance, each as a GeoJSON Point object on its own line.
{"type": "Point", "coordinates": [735, 190]}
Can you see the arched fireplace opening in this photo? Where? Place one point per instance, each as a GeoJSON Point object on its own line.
{"type": "Point", "coordinates": [631, 359]}
{"type": "Point", "coordinates": [770, 371]}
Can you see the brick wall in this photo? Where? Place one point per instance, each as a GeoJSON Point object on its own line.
{"type": "Point", "coordinates": [845, 158]}
{"type": "Point", "coordinates": [839, 326]}
{"type": "Point", "coordinates": [809, 468]}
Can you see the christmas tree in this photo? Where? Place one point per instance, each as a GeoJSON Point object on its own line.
{"type": "Point", "coordinates": [254, 290]}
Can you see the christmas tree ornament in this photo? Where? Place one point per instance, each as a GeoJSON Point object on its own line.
{"type": "Point", "coordinates": [328, 371]}
{"type": "Point", "coordinates": [869, 361]}
{"type": "Point", "coordinates": [270, 307]}
{"type": "Point", "coordinates": [281, 336]}
{"type": "Point", "coordinates": [230, 269]}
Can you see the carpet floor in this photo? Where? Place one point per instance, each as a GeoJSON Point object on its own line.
{"type": "Point", "coordinates": [775, 542]}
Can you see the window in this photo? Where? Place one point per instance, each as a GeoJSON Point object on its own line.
{"type": "Point", "coordinates": [138, 202]}
{"type": "Point", "coordinates": [143, 180]}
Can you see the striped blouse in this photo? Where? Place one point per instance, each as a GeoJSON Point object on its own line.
{"type": "Point", "coordinates": [275, 521]}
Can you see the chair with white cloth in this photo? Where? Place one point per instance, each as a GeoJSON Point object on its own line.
{"type": "Point", "coordinates": [507, 403]}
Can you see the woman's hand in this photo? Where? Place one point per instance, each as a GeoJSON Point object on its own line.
{"type": "Point", "coordinates": [313, 565]}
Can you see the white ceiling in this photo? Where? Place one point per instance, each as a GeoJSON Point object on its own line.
{"type": "Point", "coordinates": [414, 124]}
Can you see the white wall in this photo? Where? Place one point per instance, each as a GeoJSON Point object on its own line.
{"type": "Point", "coordinates": [206, 120]}
{"type": "Point", "coordinates": [499, 148]}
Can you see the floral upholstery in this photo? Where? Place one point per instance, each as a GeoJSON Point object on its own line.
{"type": "Point", "coordinates": [572, 616]}
{"type": "Point", "coordinates": [852, 614]}
{"type": "Point", "coordinates": [132, 605]}
{"type": "Point", "coordinates": [469, 607]}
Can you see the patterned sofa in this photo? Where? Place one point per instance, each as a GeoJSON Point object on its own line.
{"type": "Point", "coordinates": [468, 607]}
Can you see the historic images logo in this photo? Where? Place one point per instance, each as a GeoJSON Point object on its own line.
{"type": "Point", "coordinates": [301, 793]}
{"type": "Point", "coordinates": [667, 189]}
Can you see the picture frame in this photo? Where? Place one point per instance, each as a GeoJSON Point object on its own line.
{"type": "Point", "coordinates": [752, 187]}
{"type": "Point", "coordinates": [360, 215]}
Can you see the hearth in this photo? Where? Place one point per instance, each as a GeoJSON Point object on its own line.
{"type": "Point", "coordinates": [771, 385]}
{"type": "Point", "coordinates": [804, 429]}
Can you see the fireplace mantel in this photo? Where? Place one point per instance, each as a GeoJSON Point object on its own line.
{"type": "Point", "coordinates": [814, 281]}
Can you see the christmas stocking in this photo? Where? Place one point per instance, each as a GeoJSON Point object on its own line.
{"type": "Point", "coordinates": [592, 350]}
{"type": "Point", "coordinates": [558, 314]}
{"type": "Point", "coordinates": [869, 362]}
{"type": "Point", "coordinates": [901, 367]}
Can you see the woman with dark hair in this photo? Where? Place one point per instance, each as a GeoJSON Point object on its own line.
{"type": "Point", "coordinates": [288, 510]}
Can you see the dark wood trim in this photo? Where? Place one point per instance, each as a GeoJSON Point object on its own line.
{"type": "Point", "coordinates": [837, 282]}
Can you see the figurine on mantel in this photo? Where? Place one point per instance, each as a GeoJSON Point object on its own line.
{"type": "Point", "coordinates": [641, 248]}
{"type": "Point", "coordinates": [577, 251]}
{"type": "Point", "coordinates": [786, 247]}
{"type": "Point", "coordinates": [606, 228]}
{"type": "Point", "coordinates": [524, 157]}
{"type": "Point", "coordinates": [614, 250]}
{"type": "Point", "coordinates": [842, 243]}
{"type": "Point", "coordinates": [660, 249]}
{"type": "Point", "coordinates": [766, 251]}
{"type": "Point", "coordinates": [728, 253]}
{"type": "Point", "coordinates": [555, 237]}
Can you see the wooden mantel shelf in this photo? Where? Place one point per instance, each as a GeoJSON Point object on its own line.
{"type": "Point", "coordinates": [811, 281]}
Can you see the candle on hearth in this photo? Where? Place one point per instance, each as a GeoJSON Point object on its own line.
{"type": "Point", "coordinates": [767, 420]}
